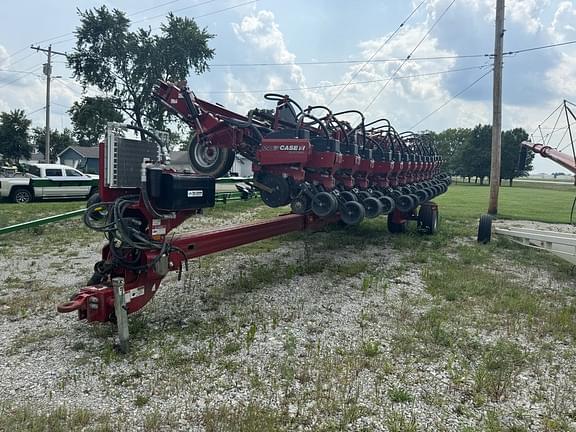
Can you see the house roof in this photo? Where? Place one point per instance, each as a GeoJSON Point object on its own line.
{"type": "Point", "coordinates": [86, 152]}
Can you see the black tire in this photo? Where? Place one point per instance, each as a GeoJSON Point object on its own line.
{"type": "Point", "coordinates": [396, 228]}
{"type": "Point", "coordinates": [373, 207]}
{"type": "Point", "coordinates": [209, 159]}
{"type": "Point", "coordinates": [485, 229]}
{"type": "Point", "coordinates": [348, 196]}
{"type": "Point", "coordinates": [429, 193]}
{"type": "Point", "coordinates": [94, 198]}
{"type": "Point", "coordinates": [301, 204]}
{"type": "Point", "coordinates": [324, 204]}
{"type": "Point", "coordinates": [428, 219]}
{"type": "Point", "coordinates": [388, 205]}
{"type": "Point", "coordinates": [405, 203]}
{"type": "Point", "coordinates": [22, 195]}
{"type": "Point", "coordinates": [352, 213]}
{"type": "Point", "coordinates": [422, 195]}
{"type": "Point", "coordinates": [362, 195]}
{"type": "Point", "coordinates": [280, 195]}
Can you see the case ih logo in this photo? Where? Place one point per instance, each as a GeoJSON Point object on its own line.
{"type": "Point", "coordinates": [292, 147]}
{"type": "Point", "coordinates": [284, 147]}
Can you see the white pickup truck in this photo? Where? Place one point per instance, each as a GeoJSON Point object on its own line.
{"type": "Point", "coordinates": [48, 181]}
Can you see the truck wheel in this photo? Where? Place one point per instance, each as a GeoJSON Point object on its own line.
{"type": "Point", "coordinates": [21, 196]}
{"type": "Point", "coordinates": [209, 159]}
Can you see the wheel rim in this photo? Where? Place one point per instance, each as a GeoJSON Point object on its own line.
{"type": "Point", "coordinates": [324, 204]}
{"type": "Point", "coordinates": [300, 205]}
{"type": "Point", "coordinates": [206, 155]}
{"type": "Point", "coordinates": [22, 197]}
{"type": "Point", "coordinates": [404, 203]}
{"type": "Point", "coordinates": [280, 194]}
{"type": "Point", "coordinates": [352, 213]}
{"type": "Point", "coordinates": [373, 207]}
{"type": "Point", "coordinates": [387, 205]}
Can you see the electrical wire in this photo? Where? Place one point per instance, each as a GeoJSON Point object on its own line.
{"type": "Point", "coordinates": [174, 11]}
{"type": "Point", "coordinates": [388, 39]}
{"type": "Point", "coordinates": [36, 110]}
{"type": "Point", "coordinates": [343, 84]}
{"type": "Point", "coordinates": [194, 17]}
{"type": "Point", "coordinates": [377, 95]}
{"type": "Point", "coordinates": [451, 99]}
{"type": "Point", "coordinates": [35, 69]}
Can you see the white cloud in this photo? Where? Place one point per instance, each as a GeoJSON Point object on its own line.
{"type": "Point", "coordinates": [563, 26]}
{"type": "Point", "coordinates": [262, 32]}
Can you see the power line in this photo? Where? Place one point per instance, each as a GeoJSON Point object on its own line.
{"type": "Point", "coordinates": [129, 15]}
{"type": "Point", "coordinates": [36, 110]}
{"type": "Point", "coordinates": [451, 99]}
{"type": "Point", "coordinates": [174, 11]}
{"type": "Point", "coordinates": [539, 48]}
{"type": "Point", "coordinates": [154, 7]}
{"type": "Point", "coordinates": [343, 84]}
{"type": "Point", "coordinates": [388, 39]}
{"type": "Point", "coordinates": [21, 59]}
{"type": "Point", "coordinates": [334, 62]}
{"type": "Point", "coordinates": [18, 71]}
{"type": "Point", "coordinates": [33, 70]}
{"type": "Point", "coordinates": [195, 17]}
{"type": "Point", "coordinates": [387, 60]}
{"type": "Point", "coordinates": [409, 55]}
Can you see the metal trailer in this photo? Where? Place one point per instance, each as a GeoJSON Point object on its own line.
{"type": "Point", "coordinates": [560, 244]}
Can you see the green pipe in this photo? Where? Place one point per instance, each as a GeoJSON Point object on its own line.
{"type": "Point", "coordinates": [220, 197]}
{"type": "Point", "coordinates": [43, 221]}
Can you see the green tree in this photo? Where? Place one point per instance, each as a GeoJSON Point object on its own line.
{"type": "Point", "coordinates": [58, 140]}
{"type": "Point", "coordinates": [511, 145]}
{"type": "Point", "coordinates": [475, 158]}
{"type": "Point", "coordinates": [126, 64]}
{"type": "Point", "coordinates": [14, 143]}
{"type": "Point", "coordinates": [451, 144]}
{"type": "Point", "coordinates": [90, 117]}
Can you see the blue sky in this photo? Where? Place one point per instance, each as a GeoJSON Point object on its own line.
{"type": "Point", "coordinates": [273, 31]}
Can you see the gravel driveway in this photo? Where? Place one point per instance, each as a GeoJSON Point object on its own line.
{"type": "Point", "coordinates": [338, 330]}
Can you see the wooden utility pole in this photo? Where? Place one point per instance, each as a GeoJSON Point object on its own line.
{"type": "Point", "coordinates": [48, 72]}
{"type": "Point", "coordinates": [497, 109]}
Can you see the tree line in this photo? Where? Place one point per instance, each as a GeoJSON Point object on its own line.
{"type": "Point", "coordinates": [467, 152]}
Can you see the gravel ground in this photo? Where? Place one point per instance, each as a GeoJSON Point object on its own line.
{"type": "Point", "coordinates": [224, 349]}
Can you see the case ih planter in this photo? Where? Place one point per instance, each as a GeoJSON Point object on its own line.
{"type": "Point", "coordinates": [312, 159]}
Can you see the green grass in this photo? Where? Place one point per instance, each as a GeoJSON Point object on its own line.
{"type": "Point", "coordinates": [60, 419]}
{"type": "Point", "coordinates": [531, 203]}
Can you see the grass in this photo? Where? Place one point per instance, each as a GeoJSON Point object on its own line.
{"type": "Point", "coordinates": [60, 419]}
{"type": "Point", "coordinates": [532, 203]}
{"type": "Point", "coordinates": [470, 319]}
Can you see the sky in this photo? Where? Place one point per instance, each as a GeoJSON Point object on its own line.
{"type": "Point", "coordinates": [316, 50]}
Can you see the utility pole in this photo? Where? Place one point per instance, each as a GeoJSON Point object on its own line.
{"type": "Point", "coordinates": [48, 72]}
{"type": "Point", "coordinates": [497, 110]}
